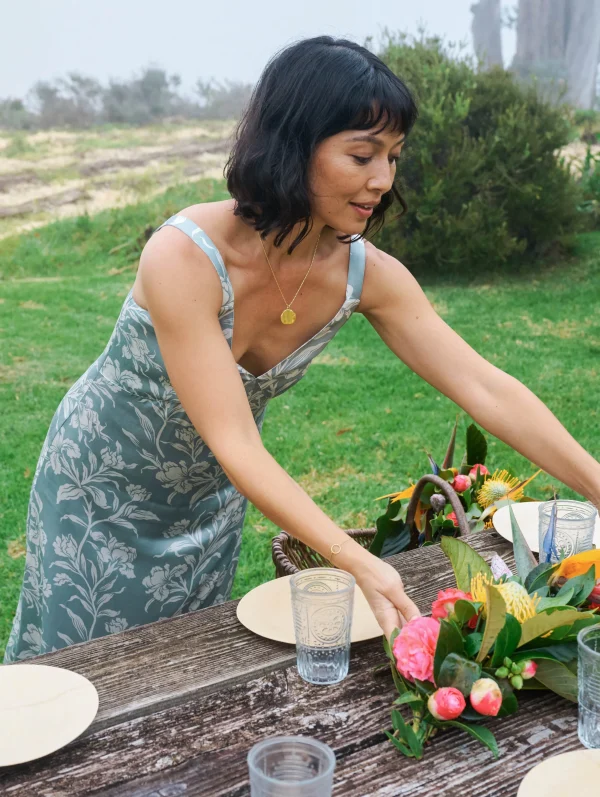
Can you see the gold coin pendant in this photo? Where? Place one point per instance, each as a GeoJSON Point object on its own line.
{"type": "Point", "coordinates": [288, 316]}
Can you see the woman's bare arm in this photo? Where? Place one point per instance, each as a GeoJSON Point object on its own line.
{"type": "Point", "coordinates": [183, 295]}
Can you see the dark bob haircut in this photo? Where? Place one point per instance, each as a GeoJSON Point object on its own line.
{"type": "Point", "coordinates": [311, 90]}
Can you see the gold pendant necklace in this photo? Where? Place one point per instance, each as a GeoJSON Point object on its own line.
{"type": "Point", "coordinates": [289, 316]}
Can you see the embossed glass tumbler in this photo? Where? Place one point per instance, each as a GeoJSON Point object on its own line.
{"type": "Point", "coordinates": [322, 605]}
{"type": "Point", "coordinates": [588, 677]}
{"type": "Point", "coordinates": [574, 533]}
{"type": "Point", "coordinates": [291, 766]}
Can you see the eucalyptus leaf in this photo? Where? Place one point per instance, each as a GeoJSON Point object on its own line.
{"type": "Point", "coordinates": [524, 558]}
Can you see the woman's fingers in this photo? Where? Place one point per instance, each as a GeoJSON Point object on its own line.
{"type": "Point", "coordinates": [406, 608]}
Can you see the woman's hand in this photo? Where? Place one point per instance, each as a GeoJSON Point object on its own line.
{"type": "Point", "coordinates": [383, 589]}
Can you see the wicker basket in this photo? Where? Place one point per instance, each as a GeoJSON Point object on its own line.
{"type": "Point", "coordinates": [291, 555]}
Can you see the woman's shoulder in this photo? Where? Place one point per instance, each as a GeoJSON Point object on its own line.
{"type": "Point", "coordinates": [383, 274]}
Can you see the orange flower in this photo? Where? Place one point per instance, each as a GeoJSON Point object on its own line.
{"type": "Point", "coordinates": [578, 564]}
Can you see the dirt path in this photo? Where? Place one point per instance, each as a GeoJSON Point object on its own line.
{"type": "Point", "coordinates": [54, 174]}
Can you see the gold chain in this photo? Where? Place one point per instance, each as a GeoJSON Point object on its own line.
{"type": "Point", "coordinates": [289, 316]}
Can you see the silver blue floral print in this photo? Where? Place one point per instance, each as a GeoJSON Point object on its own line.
{"type": "Point", "coordinates": [131, 518]}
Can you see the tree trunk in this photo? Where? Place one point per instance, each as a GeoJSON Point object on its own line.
{"type": "Point", "coordinates": [486, 29]}
{"type": "Point", "coordinates": [559, 42]}
{"type": "Point", "coordinates": [583, 52]}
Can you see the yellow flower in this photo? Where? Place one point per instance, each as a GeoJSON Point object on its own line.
{"type": "Point", "coordinates": [502, 485]}
{"type": "Point", "coordinates": [518, 601]}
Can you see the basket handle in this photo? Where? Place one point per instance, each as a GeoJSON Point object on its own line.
{"type": "Point", "coordinates": [450, 494]}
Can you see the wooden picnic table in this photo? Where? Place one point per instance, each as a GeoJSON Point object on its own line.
{"type": "Point", "coordinates": [183, 700]}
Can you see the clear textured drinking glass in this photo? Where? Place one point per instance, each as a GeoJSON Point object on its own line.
{"type": "Point", "coordinates": [575, 526]}
{"type": "Point", "coordinates": [291, 766]}
{"type": "Point", "coordinates": [322, 605]}
{"type": "Point", "coordinates": [588, 677]}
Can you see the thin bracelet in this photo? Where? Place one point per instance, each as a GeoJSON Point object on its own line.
{"type": "Point", "coordinates": [337, 546]}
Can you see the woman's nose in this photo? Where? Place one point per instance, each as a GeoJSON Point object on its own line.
{"type": "Point", "coordinates": [382, 178]}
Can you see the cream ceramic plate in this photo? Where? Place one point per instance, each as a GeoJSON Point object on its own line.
{"type": "Point", "coordinates": [527, 518]}
{"type": "Point", "coordinates": [576, 773]}
{"type": "Point", "coordinates": [42, 709]}
{"type": "Point", "coordinates": [267, 610]}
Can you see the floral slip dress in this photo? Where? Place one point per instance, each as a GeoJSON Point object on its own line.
{"type": "Point", "coordinates": [131, 519]}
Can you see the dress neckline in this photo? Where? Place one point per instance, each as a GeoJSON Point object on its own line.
{"type": "Point", "coordinates": [278, 365]}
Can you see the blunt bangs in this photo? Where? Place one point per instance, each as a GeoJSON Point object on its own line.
{"type": "Point", "coordinates": [308, 92]}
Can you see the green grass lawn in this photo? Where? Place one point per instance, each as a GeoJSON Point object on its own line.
{"type": "Point", "coordinates": [358, 424]}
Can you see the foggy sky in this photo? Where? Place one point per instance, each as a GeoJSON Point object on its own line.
{"type": "Point", "coordinates": [46, 39]}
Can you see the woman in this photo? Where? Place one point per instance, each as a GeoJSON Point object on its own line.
{"type": "Point", "coordinates": [140, 492]}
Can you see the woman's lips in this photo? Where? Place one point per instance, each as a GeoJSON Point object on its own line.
{"type": "Point", "coordinates": [364, 213]}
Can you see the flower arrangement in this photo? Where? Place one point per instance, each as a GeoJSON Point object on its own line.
{"type": "Point", "coordinates": [480, 494]}
{"type": "Point", "coordinates": [487, 639]}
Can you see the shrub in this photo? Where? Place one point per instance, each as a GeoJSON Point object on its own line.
{"type": "Point", "coordinates": [480, 172]}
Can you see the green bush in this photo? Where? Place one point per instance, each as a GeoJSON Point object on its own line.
{"type": "Point", "coordinates": [480, 173]}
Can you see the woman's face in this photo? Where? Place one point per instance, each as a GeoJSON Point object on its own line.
{"type": "Point", "coordinates": [355, 167]}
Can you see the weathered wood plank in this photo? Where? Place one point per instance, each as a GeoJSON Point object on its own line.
{"type": "Point", "coordinates": [160, 664]}
{"type": "Point", "coordinates": [199, 747]}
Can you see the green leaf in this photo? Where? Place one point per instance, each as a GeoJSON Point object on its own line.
{"type": "Point", "coordinates": [581, 585]}
{"type": "Point", "coordinates": [465, 610]}
{"type": "Point", "coordinates": [398, 745]}
{"type": "Point", "coordinates": [547, 621]}
{"type": "Point", "coordinates": [510, 704]}
{"type": "Point", "coordinates": [390, 525]}
{"type": "Point", "coordinates": [458, 672]}
{"type": "Point", "coordinates": [480, 732]}
{"type": "Point", "coordinates": [425, 687]}
{"type": "Point", "coordinates": [408, 734]}
{"type": "Point", "coordinates": [476, 446]}
{"type": "Point", "coordinates": [558, 678]}
{"type": "Point", "coordinates": [447, 463]}
{"type": "Point", "coordinates": [473, 644]}
{"type": "Point", "coordinates": [495, 619]}
{"type": "Point", "coordinates": [450, 640]}
{"type": "Point", "coordinates": [524, 558]}
{"type": "Point", "coordinates": [538, 577]}
{"type": "Point", "coordinates": [399, 681]}
{"type": "Point", "coordinates": [507, 640]}
{"type": "Point", "coordinates": [558, 600]}
{"type": "Point", "coordinates": [408, 698]}
{"type": "Point", "coordinates": [561, 651]}
{"type": "Point", "coordinates": [465, 562]}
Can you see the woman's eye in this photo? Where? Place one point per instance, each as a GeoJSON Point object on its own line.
{"type": "Point", "coordinates": [362, 161]}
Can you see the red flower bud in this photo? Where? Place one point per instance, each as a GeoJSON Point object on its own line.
{"type": "Point", "coordinates": [486, 697]}
{"type": "Point", "coordinates": [446, 703]}
{"type": "Point", "coordinates": [529, 669]}
{"type": "Point", "coordinates": [461, 483]}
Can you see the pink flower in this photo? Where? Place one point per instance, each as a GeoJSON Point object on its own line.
{"type": "Point", "coordinates": [414, 648]}
{"type": "Point", "coordinates": [452, 516]}
{"type": "Point", "coordinates": [461, 483]}
{"type": "Point", "coordinates": [473, 471]}
{"type": "Point", "coordinates": [446, 703]}
{"type": "Point", "coordinates": [529, 669]}
{"type": "Point", "coordinates": [444, 605]}
{"type": "Point", "coordinates": [486, 697]}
